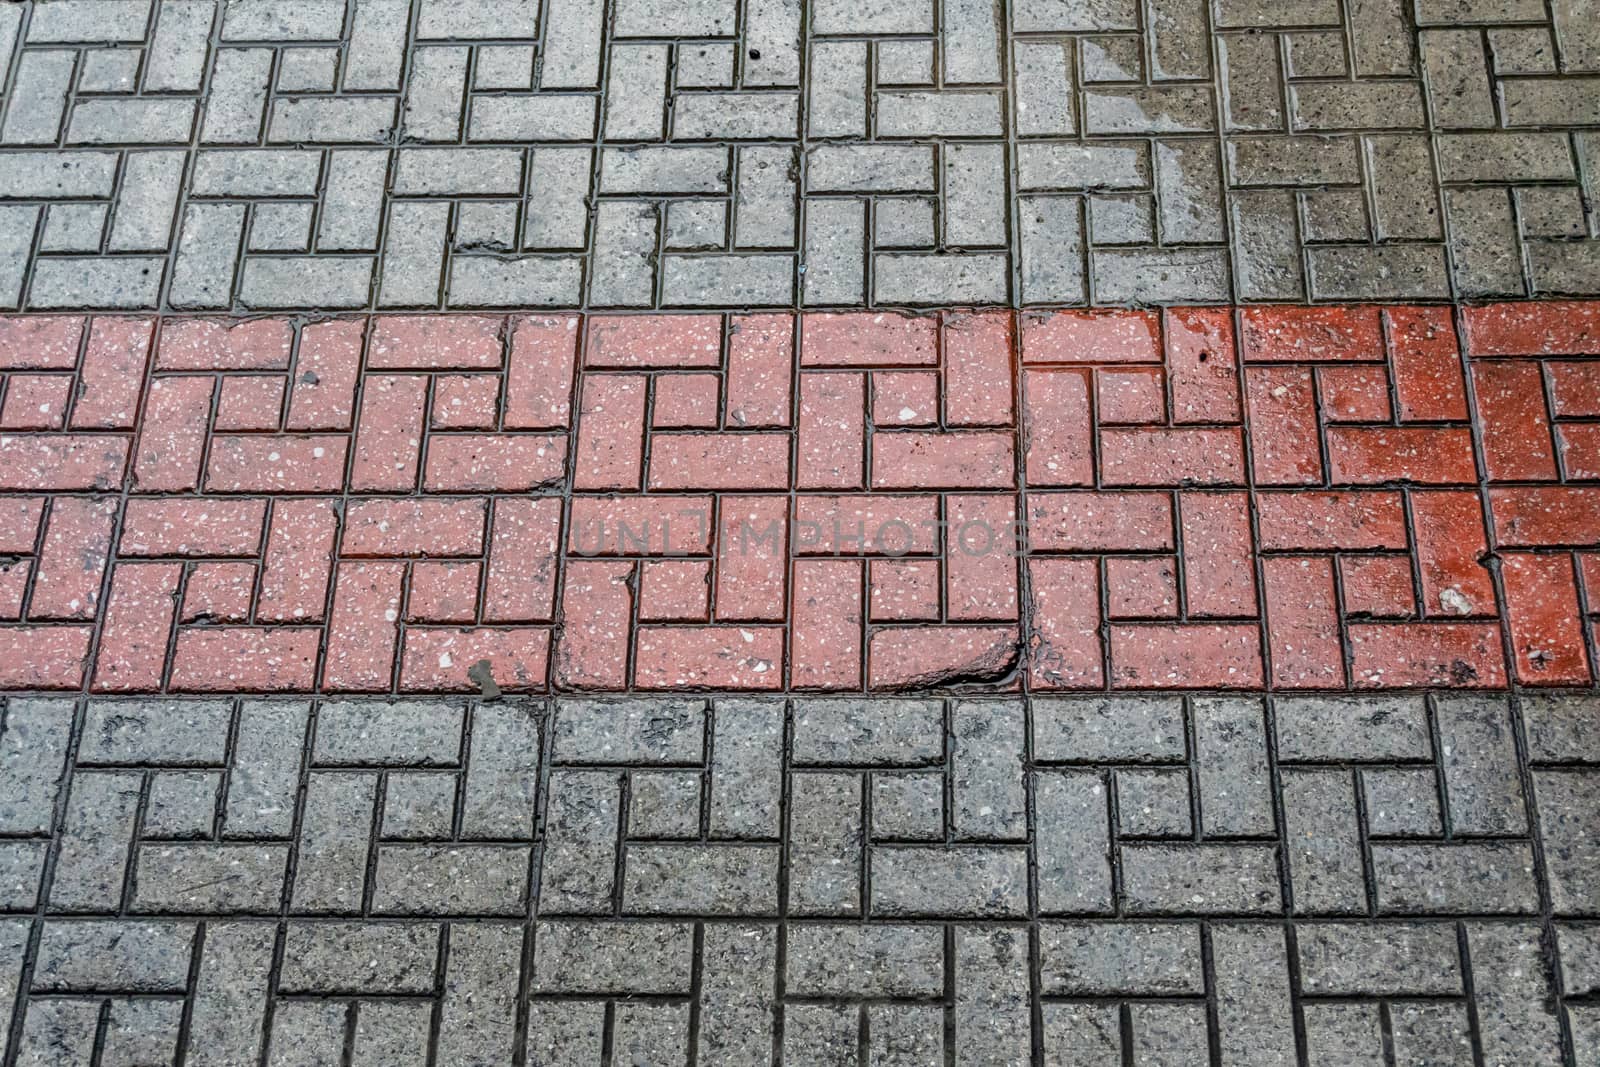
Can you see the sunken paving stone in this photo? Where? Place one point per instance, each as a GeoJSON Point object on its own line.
{"type": "Point", "coordinates": [1166, 878]}
{"type": "Point", "coordinates": [460, 154]}
{"type": "Point", "coordinates": [1281, 498]}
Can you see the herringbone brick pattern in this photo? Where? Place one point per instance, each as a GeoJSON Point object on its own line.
{"type": "Point", "coordinates": [1069, 880]}
{"type": "Point", "coordinates": [345, 154]}
{"type": "Point", "coordinates": [1276, 499]}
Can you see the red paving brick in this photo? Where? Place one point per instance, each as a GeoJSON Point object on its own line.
{"type": "Point", "coordinates": [1275, 498]}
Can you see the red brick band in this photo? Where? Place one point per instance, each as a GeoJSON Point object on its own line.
{"type": "Point", "coordinates": [1261, 498]}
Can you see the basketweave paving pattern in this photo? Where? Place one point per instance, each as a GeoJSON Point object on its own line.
{"type": "Point", "coordinates": [1364, 880]}
{"type": "Point", "coordinates": [1283, 498]}
{"type": "Point", "coordinates": [191, 154]}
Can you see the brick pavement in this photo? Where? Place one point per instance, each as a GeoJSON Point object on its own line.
{"type": "Point", "coordinates": [1378, 879]}
{"type": "Point", "coordinates": [294, 154]}
{"type": "Point", "coordinates": [490, 575]}
{"type": "Point", "coordinates": [1269, 499]}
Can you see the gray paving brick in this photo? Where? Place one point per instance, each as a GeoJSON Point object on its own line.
{"type": "Point", "coordinates": [579, 867]}
{"type": "Point", "coordinates": [825, 844]}
{"type": "Point", "coordinates": [1404, 207]}
{"type": "Point", "coordinates": [558, 184]}
{"type": "Point", "coordinates": [834, 270]}
{"type": "Point", "coordinates": [1107, 959]}
{"type": "Point", "coordinates": [266, 770]}
{"type": "Point", "coordinates": [33, 750]}
{"type": "Point", "coordinates": [1371, 105]}
{"type": "Point", "coordinates": [1403, 802]}
{"type": "Point", "coordinates": [871, 16]}
{"type": "Point", "coordinates": [838, 98]}
{"type": "Point", "coordinates": [1516, 1016]}
{"type": "Point", "coordinates": [1073, 843]}
{"type": "Point", "coordinates": [130, 121]}
{"type": "Point", "coordinates": [280, 228]}
{"type": "Point", "coordinates": [203, 275]}
{"type": "Point", "coordinates": [358, 957]}
{"type": "Point", "coordinates": [753, 281]}
{"type": "Point", "coordinates": [986, 761]}
{"type": "Point", "coordinates": [572, 53]}
{"type": "Point", "coordinates": [413, 257]}
{"type": "Point", "coordinates": [938, 114]}
{"type": "Point", "coordinates": [1293, 160]}
{"type": "Point", "coordinates": [1163, 109]}
{"type": "Point", "coordinates": [248, 20]}
{"type": "Point", "coordinates": [85, 282]}
{"type": "Point", "coordinates": [975, 207]}
{"type": "Point", "coordinates": [656, 170]}
{"type": "Point", "coordinates": [1374, 729]}
{"type": "Point", "coordinates": [695, 18]}
{"type": "Point", "coordinates": [331, 864]}
{"type": "Point", "coordinates": [38, 97]}
{"type": "Point", "coordinates": [1052, 250]}
{"type": "Point", "coordinates": [1044, 84]}
{"type": "Point", "coordinates": [89, 20]}
{"type": "Point", "coordinates": [10, 30]}
{"type": "Point", "coordinates": [1481, 878]}
{"type": "Point", "coordinates": [772, 33]}
{"type": "Point", "coordinates": [342, 121]}
{"type": "Point", "coordinates": [940, 279]}
{"type": "Point", "coordinates": [868, 732]}
{"type": "Point", "coordinates": [434, 95]}
{"type": "Point", "coordinates": [612, 957]}
{"type": "Point", "coordinates": [1567, 825]}
{"type": "Point", "coordinates": [377, 45]}
{"type": "Point", "coordinates": [450, 880]}
{"type": "Point", "coordinates": [353, 200]}
{"type": "Point", "coordinates": [180, 732]}
{"type": "Point", "coordinates": [48, 175]}
{"type": "Point", "coordinates": [485, 18]}
{"type": "Point", "coordinates": [1378, 272]}
{"type": "Point", "coordinates": [1209, 879]}
{"type": "Point", "coordinates": [244, 173]}
{"type": "Point", "coordinates": [852, 960]}
{"type": "Point", "coordinates": [238, 100]}
{"type": "Point", "coordinates": [734, 116]}
{"type": "Point", "coordinates": [477, 1012]}
{"type": "Point", "coordinates": [991, 1011]}
{"type": "Point", "coordinates": [139, 957]}
{"type": "Point", "coordinates": [195, 878]}
{"type": "Point", "coordinates": [230, 992]}
{"type": "Point", "coordinates": [147, 202]}
{"type": "Point", "coordinates": [1561, 729]}
{"type": "Point", "coordinates": [1252, 977]}
{"type": "Point", "coordinates": [1479, 758]}
{"type": "Point", "coordinates": [976, 882]}
{"type": "Point", "coordinates": [280, 282]}
{"type": "Point", "coordinates": [1463, 95]}
{"type": "Point", "coordinates": [1321, 819]}
{"type": "Point", "coordinates": [870, 168]}
{"type": "Point", "coordinates": [18, 224]}
{"type": "Point", "coordinates": [690, 879]}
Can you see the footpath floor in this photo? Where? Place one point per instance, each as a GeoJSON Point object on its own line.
{"type": "Point", "coordinates": [740, 532]}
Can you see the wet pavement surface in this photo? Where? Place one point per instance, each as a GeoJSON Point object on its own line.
{"type": "Point", "coordinates": [718, 153]}
{"type": "Point", "coordinates": [1268, 498]}
{"type": "Point", "coordinates": [1328, 881]}
{"type": "Point", "coordinates": [669, 653]}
